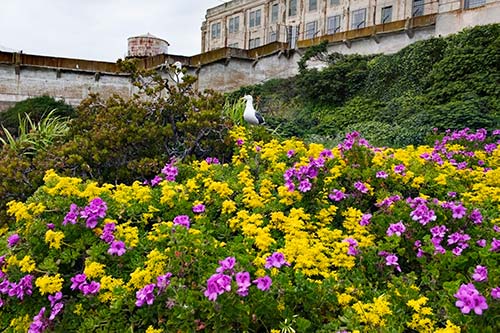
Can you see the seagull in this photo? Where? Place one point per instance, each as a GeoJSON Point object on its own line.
{"type": "Point", "coordinates": [178, 72]}
{"type": "Point", "coordinates": [250, 115]}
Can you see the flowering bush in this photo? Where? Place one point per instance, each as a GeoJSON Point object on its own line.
{"type": "Point", "coordinates": [286, 237]}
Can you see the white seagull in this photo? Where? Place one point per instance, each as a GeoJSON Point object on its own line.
{"type": "Point", "coordinates": [250, 115]}
{"type": "Point", "coordinates": [178, 72]}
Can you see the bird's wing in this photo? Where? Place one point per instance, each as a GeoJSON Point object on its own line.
{"type": "Point", "coordinates": [259, 118]}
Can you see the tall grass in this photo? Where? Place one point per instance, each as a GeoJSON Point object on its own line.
{"type": "Point", "coordinates": [36, 136]}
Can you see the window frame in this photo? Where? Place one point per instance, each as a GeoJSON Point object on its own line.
{"type": "Point", "coordinates": [358, 25]}
{"type": "Point", "coordinates": [292, 10]}
{"type": "Point", "coordinates": [255, 18]}
{"type": "Point", "coordinates": [234, 24]}
{"type": "Point", "coordinates": [475, 4]}
{"type": "Point", "coordinates": [385, 9]}
{"type": "Point", "coordinates": [307, 32]}
{"type": "Point", "coordinates": [335, 28]}
{"type": "Point", "coordinates": [311, 8]}
{"type": "Point", "coordinates": [275, 15]}
{"type": "Point", "coordinates": [215, 30]}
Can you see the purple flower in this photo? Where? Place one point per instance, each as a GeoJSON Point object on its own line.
{"type": "Point", "coordinates": [145, 295]}
{"type": "Point", "coordinates": [243, 282]}
{"type": "Point", "coordinates": [226, 265]}
{"type": "Point", "coordinates": [170, 171]}
{"type": "Point", "coordinates": [439, 231]}
{"type": "Point", "coordinates": [107, 233]}
{"type": "Point", "coordinates": [200, 208]}
{"type": "Point", "coordinates": [290, 153]}
{"type": "Point", "coordinates": [95, 210]}
{"type": "Point", "coordinates": [240, 142]}
{"type": "Point", "coordinates": [458, 211]}
{"type": "Point", "coordinates": [470, 299]}
{"type": "Point", "coordinates": [423, 214]}
{"type": "Point", "coordinates": [217, 284]}
{"type": "Point", "coordinates": [77, 281]}
{"type": "Point", "coordinates": [396, 229]}
{"type": "Point", "coordinates": [495, 245]}
{"type": "Point", "coordinates": [39, 323]}
{"type": "Point", "coordinates": [56, 308]}
{"type": "Point", "coordinates": [156, 180]}
{"type": "Point", "coordinates": [277, 259]}
{"type": "Point", "coordinates": [480, 273]}
{"type": "Point", "coordinates": [452, 194]}
{"type": "Point", "coordinates": [91, 288]}
{"type": "Point", "coordinates": [263, 283]}
{"type": "Point", "coordinates": [352, 251]}
{"type": "Point", "coordinates": [50, 226]}
{"type": "Point", "coordinates": [53, 299]}
{"type": "Point", "coordinates": [381, 174]}
{"type": "Point", "coordinates": [163, 281]}
{"type": "Point", "coordinates": [182, 220]}
{"type": "Point", "coordinates": [365, 219]}
{"type": "Point", "coordinates": [481, 242]}
{"type": "Point", "coordinates": [476, 216]}
{"type": "Point", "coordinates": [337, 195]}
{"type": "Point", "coordinates": [13, 240]}
{"type": "Point", "coordinates": [399, 169]}
{"type": "Point", "coordinates": [392, 260]}
{"type": "Point", "coordinates": [212, 160]}
{"type": "Point", "coordinates": [361, 187]}
{"type": "Point", "coordinates": [117, 248]}
{"type": "Point", "coordinates": [305, 186]}
{"type": "Point", "coordinates": [72, 215]}
{"type": "Point", "coordinates": [495, 293]}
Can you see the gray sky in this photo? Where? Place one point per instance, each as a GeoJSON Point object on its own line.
{"type": "Point", "coordinates": [98, 29]}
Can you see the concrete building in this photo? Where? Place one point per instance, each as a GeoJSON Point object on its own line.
{"type": "Point", "coordinates": [397, 24]}
{"type": "Point", "coordinates": [248, 24]}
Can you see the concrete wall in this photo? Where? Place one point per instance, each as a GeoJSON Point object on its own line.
{"type": "Point", "coordinates": [72, 86]}
{"type": "Point", "coordinates": [23, 76]}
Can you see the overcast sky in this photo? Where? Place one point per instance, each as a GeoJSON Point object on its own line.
{"type": "Point", "coordinates": [98, 29]}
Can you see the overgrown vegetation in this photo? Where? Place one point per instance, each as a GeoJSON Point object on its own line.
{"type": "Point", "coordinates": [393, 100]}
{"type": "Point", "coordinates": [117, 140]}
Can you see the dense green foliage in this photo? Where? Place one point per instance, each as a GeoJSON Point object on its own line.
{"type": "Point", "coordinates": [36, 108]}
{"type": "Point", "coordinates": [394, 99]}
{"type": "Point", "coordinates": [119, 140]}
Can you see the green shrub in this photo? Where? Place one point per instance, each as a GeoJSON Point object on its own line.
{"type": "Point", "coordinates": [36, 108]}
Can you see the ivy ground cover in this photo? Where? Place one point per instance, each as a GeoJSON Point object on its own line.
{"type": "Point", "coordinates": [287, 237]}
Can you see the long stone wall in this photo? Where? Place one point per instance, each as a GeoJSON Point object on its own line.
{"type": "Point", "coordinates": [23, 76]}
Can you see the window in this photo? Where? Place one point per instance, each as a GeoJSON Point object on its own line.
{"type": "Point", "coordinates": [386, 14]}
{"type": "Point", "coordinates": [473, 3]}
{"type": "Point", "coordinates": [418, 7]}
{"type": "Point", "coordinates": [234, 24]}
{"type": "Point", "coordinates": [255, 18]}
{"type": "Point", "coordinates": [358, 19]}
{"type": "Point", "coordinates": [334, 2]}
{"type": "Point", "coordinates": [292, 8]}
{"type": "Point", "coordinates": [233, 45]}
{"type": "Point", "coordinates": [272, 36]}
{"type": "Point", "coordinates": [333, 24]}
{"type": "Point", "coordinates": [275, 9]}
{"type": "Point", "coordinates": [215, 30]}
{"type": "Point", "coordinates": [313, 5]}
{"type": "Point", "coordinates": [311, 29]}
{"type": "Point", "coordinates": [254, 42]}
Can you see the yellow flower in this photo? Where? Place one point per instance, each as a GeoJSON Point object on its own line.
{"type": "Point", "coordinates": [49, 284]}
{"type": "Point", "coordinates": [21, 324]}
{"type": "Point", "coordinates": [54, 238]}
{"type": "Point", "coordinates": [228, 206]}
{"type": "Point", "coordinates": [93, 269]}
{"type": "Point", "coordinates": [27, 264]}
{"type": "Point", "coordinates": [450, 328]}
{"type": "Point", "coordinates": [151, 329]}
{"type": "Point", "coordinates": [130, 235]}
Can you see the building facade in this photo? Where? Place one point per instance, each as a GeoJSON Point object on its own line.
{"type": "Point", "coordinates": [247, 24]}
